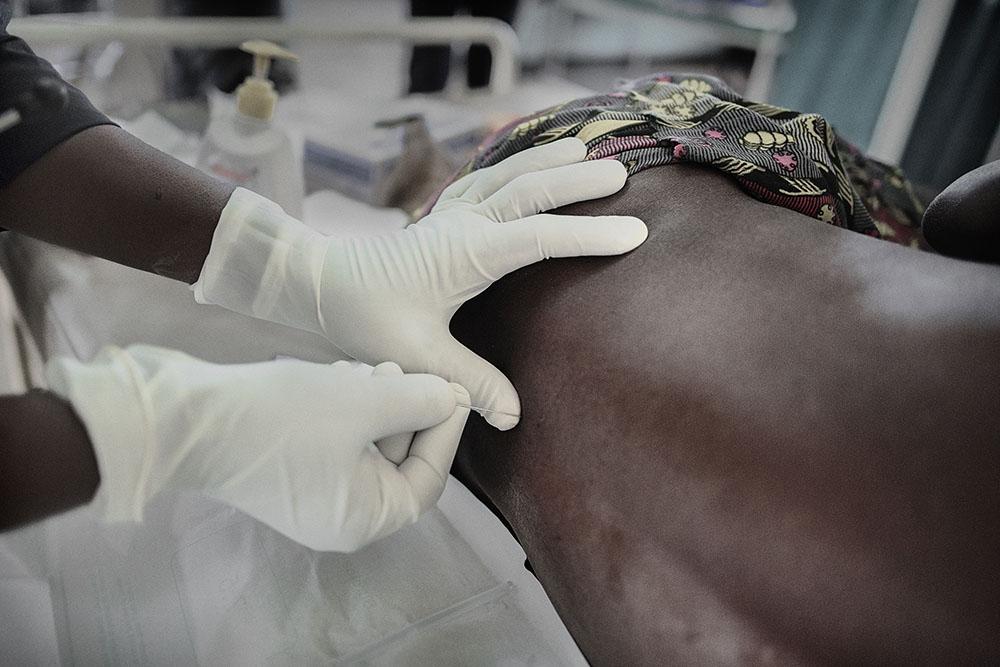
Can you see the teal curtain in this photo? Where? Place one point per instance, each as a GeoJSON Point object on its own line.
{"type": "Point", "coordinates": [839, 60]}
{"type": "Point", "coordinates": [961, 107]}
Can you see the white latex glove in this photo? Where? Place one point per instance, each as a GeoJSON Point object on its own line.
{"type": "Point", "coordinates": [392, 296]}
{"type": "Point", "coordinates": [289, 442]}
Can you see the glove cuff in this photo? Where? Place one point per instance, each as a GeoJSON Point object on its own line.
{"type": "Point", "coordinates": [263, 263]}
{"type": "Point", "coordinates": [107, 399]}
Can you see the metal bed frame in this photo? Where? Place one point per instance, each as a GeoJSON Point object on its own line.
{"type": "Point", "coordinates": [86, 29]}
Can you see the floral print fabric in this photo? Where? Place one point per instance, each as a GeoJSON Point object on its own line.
{"type": "Point", "coordinates": [776, 155]}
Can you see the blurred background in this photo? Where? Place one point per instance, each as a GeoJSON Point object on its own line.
{"type": "Point", "coordinates": [915, 82]}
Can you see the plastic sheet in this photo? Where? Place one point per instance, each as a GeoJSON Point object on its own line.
{"type": "Point", "coordinates": [201, 583]}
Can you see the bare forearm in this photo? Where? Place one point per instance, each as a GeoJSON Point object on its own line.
{"type": "Point", "coordinates": [47, 464]}
{"type": "Point", "coordinates": [105, 193]}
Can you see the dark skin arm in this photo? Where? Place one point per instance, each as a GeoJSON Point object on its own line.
{"type": "Point", "coordinates": [105, 193]}
{"type": "Point", "coordinates": [47, 464]}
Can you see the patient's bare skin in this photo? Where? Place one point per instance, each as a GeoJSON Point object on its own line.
{"type": "Point", "coordinates": [964, 220]}
{"type": "Point", "coordinates": [756, 438]}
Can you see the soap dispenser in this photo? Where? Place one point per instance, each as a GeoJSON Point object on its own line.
{"type": "Point", "coordinates": [245, 148]}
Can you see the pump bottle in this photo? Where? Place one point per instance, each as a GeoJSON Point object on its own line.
{"type": "Point", "coordinates": [245, 148]}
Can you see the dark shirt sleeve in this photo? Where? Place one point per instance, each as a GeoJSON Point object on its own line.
{"type": "Point", "coordinates": [43, 128]}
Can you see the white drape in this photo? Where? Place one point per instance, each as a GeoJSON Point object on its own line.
{"type": "Point", "coordinates": [20, 361]}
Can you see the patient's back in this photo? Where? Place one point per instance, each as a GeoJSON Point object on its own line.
{"type": "Point", "coordinates": [754, 438]}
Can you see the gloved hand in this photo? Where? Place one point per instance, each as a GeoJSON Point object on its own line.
{"type": "Point", "coordinates": [288, 442]}
{"type": "Point", "coordinates": [392, 296]}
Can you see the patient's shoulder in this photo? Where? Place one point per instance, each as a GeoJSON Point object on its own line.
{"type": "Point", "coordinates": [964, 220]}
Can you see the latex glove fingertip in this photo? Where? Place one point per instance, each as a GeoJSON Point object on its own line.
{"type": "Point", "coordinates": [633, 232]}
{"type": "Point", "coordinates": [462, 398]}
{"type": "Point", "coordinates": [500, 420]}
{"type": "Point", "coordinates": [610, 171]}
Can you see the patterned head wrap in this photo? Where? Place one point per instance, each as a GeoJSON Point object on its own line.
{"type": "Point", "coordinates": [781, 157]}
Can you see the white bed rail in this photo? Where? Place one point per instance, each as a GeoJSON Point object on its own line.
{"type": "Point", "coordinates": [84, 29]}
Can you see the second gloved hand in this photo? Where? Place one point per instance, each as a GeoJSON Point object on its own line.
{"type": "Point", "coordinates": [290, 443]}
{"type": "Point", "coordinates": [392, 296]}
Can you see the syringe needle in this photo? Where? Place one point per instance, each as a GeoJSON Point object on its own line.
{"type": "Point", "coordinates": [479, 409]}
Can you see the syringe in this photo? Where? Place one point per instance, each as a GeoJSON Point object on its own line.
{"type": "Point", "coordinates": [481, 410]}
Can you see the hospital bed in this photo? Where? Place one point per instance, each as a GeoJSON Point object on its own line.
{"type": "Point", "coordinates": [199, 582]}
{"type": "Point", "coordinates": [759, 27]}
{"type": "Point", "coordinates": [82, 29]}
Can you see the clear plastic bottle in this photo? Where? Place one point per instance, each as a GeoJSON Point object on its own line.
{"type": "Point", "coordinates": [245, 148]}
